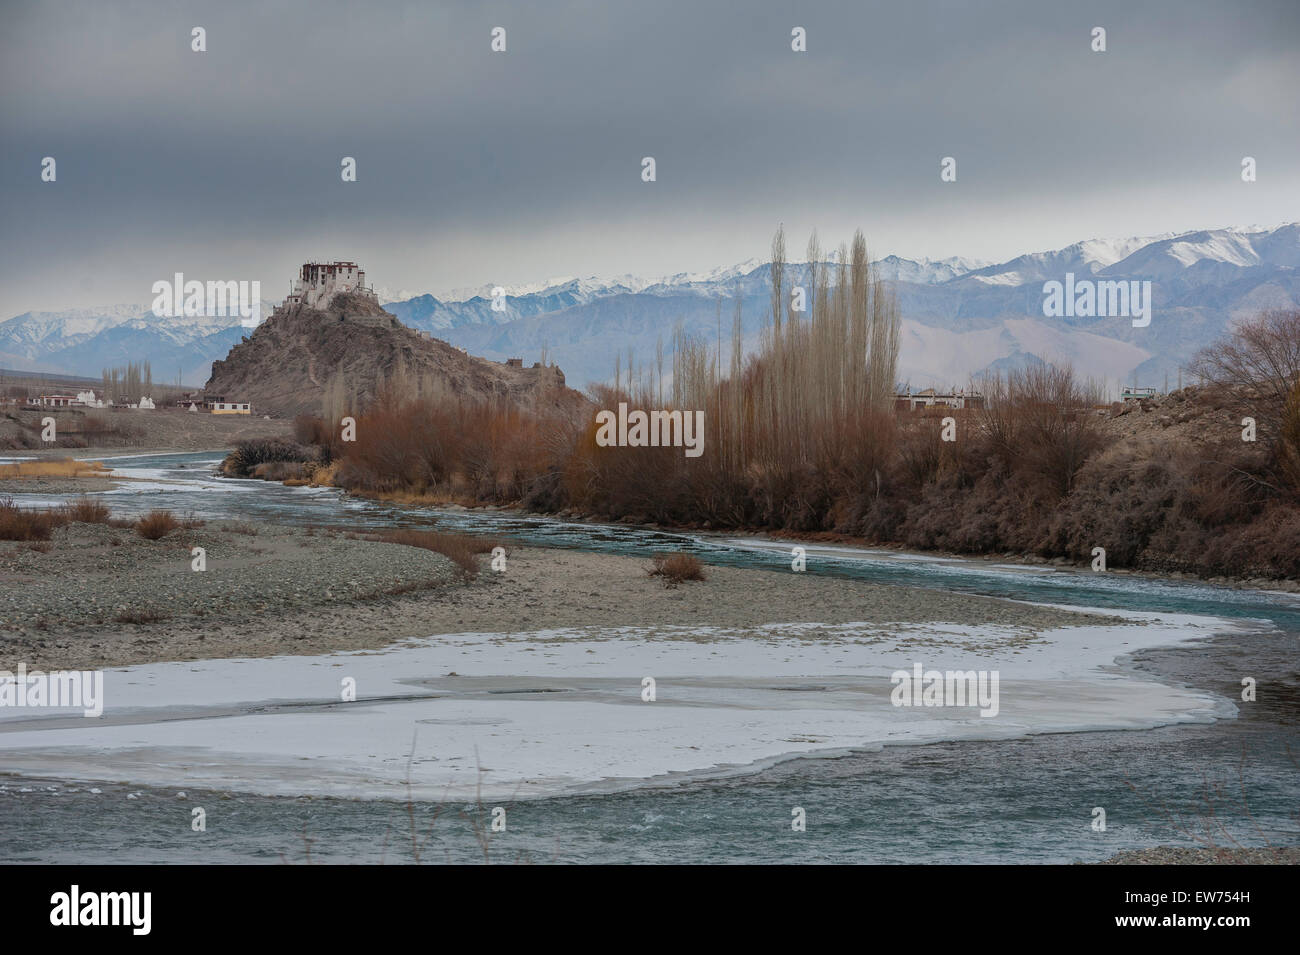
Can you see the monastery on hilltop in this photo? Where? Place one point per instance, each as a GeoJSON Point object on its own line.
{"type": "Point", "coordinates": [318, 282]}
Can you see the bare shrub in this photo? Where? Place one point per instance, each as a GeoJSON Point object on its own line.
{"type": "Point", "coordinates": [675, 569]}
{"type": "Point", "coordinates": [1122, 500]}
{"type": "Point", "coordinates": [281, 471]}
{"type": "Point", "coordinates": [156, 525]}
{"type": "Point", "coordinates": [86, 510]}
{"type": "Point", "coordinates": [1040, 423]}
{"type": "Point", "coordinates": [25, 524]}
{"type": "Point", "coordinates": [247, 455]}
{"type": "Point", "coordinates": [491, 451]}
{"type": "Point", "coordinates": [1268, 546]}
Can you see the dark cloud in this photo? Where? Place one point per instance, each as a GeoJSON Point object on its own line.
{"type": "Point", "coordinates": [476, 166]}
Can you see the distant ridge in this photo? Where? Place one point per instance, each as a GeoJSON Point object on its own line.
{"type": "Point", "coordinates": [960, 316]}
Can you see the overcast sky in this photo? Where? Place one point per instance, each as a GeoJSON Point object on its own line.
{"type": "Point", "coordinates": [478, 167]}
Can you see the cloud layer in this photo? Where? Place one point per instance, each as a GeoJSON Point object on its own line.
{"type": "Point", "coordinates": [478, 167]}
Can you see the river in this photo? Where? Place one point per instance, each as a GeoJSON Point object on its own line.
{"type": "Point", "coordinates": [1018, 800]}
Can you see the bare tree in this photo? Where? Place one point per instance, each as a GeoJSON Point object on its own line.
{"type": "Point", "coordinates": [1261, 356]}
{"type": "Point", "coordinates": [1039, 421]}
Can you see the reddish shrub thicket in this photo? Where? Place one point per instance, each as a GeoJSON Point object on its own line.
{"type": "Point", "coordinates": [1155, 506]}
{"type": "Point", "coordinates": [797, 438]}
{"type": "Point", "coordinates": [37, 524]}
{"type": "Point", "coordinates": [1268, 546]}
{"type": "Point", "coordinates": [488, 452]}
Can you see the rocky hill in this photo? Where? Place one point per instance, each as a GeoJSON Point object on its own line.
{"type": "Point", "coordinates": [301, 360]}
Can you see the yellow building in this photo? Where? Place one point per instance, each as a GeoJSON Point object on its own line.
{"type": "Point", "coordinates": [230, 407]}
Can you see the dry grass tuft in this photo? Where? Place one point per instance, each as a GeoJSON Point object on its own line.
{"type": "Point", "coordinates": [86, 510]}
{"type": "Point", "coordinates": [156, 525]}
{"type": "Point", "coordinates": [676, 568]}
{"type": "Point", "coordinates": [323, 476]}
{"type": "Point", "coordinates": [461, 548]}
{"type": "Point", "coordinates": [55, 468]}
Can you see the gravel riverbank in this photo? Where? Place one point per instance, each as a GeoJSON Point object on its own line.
{"type": "Point", "coordinates": [96, 596]}
{"type": "Point", "coordinates": [1170, 855]}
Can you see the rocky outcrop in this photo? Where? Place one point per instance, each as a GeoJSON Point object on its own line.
{"type": "Point", "coordinates": [301, 360]}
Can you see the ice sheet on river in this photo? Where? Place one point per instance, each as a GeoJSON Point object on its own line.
{"type": "Point", "coordinates": [548, 712]}
{"type": "Point", "coordinates": [559, 711]}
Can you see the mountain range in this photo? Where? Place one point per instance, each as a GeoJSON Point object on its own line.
{"type": "Point", "coordinates": [960, 317]}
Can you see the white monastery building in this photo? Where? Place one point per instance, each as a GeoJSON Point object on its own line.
{"type": "Point", "coordinates": [318, 282]}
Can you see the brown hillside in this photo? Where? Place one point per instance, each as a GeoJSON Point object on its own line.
{"type": "Point", "coordinates": [300, 360]}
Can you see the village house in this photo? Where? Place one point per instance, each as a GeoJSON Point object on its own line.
{"type": "Point", "coordinates": [54, 401]}
{"type": "Point", "coordinates": [219, 405]}
{"type": "Point", "coordinates": [930, 398]}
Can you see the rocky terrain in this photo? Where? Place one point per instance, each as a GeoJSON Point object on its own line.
{"type": "Point", "coordinates": [1191, 416]}
{"type": "Point", "coordinates": [305, 361]}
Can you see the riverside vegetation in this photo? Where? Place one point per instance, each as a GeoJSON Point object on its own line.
{"type": "Point", "coordinates": [802, 439]}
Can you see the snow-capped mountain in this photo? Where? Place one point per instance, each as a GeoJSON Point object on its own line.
{"type": "Point", "coordinates": [960, 316]}
{"type": "Point", "coordinates": [925, 271]}
{"type": "Point", "coordinates": [592, 287]}
{"type": "Point", "coordinates": [83, 341]}
{"type": "Point", "coordinates": [1082, 258]}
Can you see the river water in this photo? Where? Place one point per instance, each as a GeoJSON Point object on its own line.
{"type": "Point", "coordinates": [1028, 800]}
